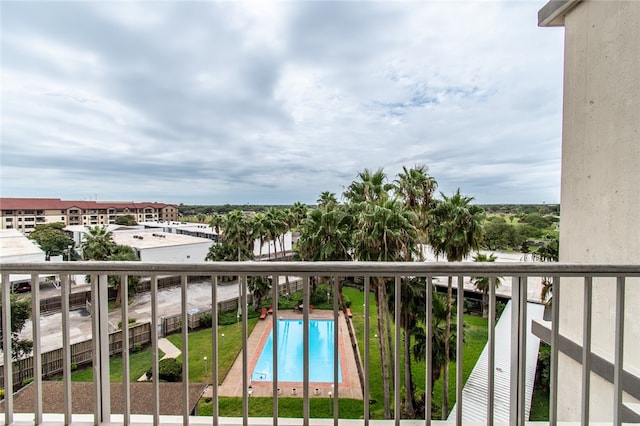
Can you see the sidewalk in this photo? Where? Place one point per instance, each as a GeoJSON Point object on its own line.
{"type": "Point", "coordinates": [169, 350]}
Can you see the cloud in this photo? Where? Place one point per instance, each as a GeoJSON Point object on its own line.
{"type": "Point", "coordinates": [275, 102]}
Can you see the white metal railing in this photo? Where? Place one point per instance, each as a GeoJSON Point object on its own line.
{"type": "Point", "coordinates": [98, 271]}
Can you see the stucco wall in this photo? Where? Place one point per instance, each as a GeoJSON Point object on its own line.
{"type": "Point", "coordinates": [600, 192]}
{"type": "Point", "coordinates": [188, 253]}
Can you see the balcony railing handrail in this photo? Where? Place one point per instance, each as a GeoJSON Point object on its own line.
{"type": "Point", "coordinates": [519, 271]}
{"type": "Point", "coordinates": [329, 268]}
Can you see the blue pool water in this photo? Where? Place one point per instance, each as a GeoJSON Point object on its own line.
{"type": "Point", "coordinates": [290, 362]}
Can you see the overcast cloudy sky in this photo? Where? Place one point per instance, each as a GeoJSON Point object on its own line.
{"type": "Point", "coordinates": [272, 103]}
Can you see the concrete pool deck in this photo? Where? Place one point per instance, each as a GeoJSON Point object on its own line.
{"type": "Point", "coordinates": [348, 388]}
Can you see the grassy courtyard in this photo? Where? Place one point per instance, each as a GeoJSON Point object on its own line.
{"type": "Point", "coordinates": [231, 345]}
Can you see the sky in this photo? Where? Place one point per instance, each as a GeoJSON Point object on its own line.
{"type": "Point", "coordinates": [202, 102]}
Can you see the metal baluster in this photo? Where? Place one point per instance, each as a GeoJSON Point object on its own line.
{"type": "Point", "coordinates": [492, 350]}
{"type": "Point", "coordinates": [515, 348]}
{"type": "Point", "coordinates": [37, 349]}
{"type": "Point", "coordinates": [618, 366]}
{"type": "Point", "coordinates": [242, 282]}
{"type": "Point", "coordinates": [555, 340]}
{"type": "Point", "coordinates": [367, 407]}
{"type": "Point", "coordinates": [214, 350]}
{"type": "Point", "coordinates": [154, 350]}
{"type": "Point", "coordinates": [124, 309]}
{"type": "Point", "coordinates": [459, 348]}
{"type": "Point", "coordinates": [429, 354]}
{"type": "Point", "coordinates": [522, 364]}
{"type": "Point", "coordinates": [397, 409]}
{"type": "Point", "coordinates": [6, 349]}
{"type": "Point", "coordinates": [66, 350]}
{"type": "Point", "coordinates": [185, 350]}
{"type": "Point", "coordinates": [274, 318]}
{"type": "Point", "coordinates": [305, 351]}
{"type": "Point", "coordinates": [336, 350]}
{"type": "Point", "coordinates": [586, 350]}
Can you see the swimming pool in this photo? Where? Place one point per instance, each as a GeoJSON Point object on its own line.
{"type": "Point", "coordinates": [290, 351]}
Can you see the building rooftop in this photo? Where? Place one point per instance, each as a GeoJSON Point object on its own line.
{"type": "Point", "coordinates": [13, 243]}
{"type": "Point", "coordinates": [58, 204]}
{"type": "Point", "coordinates": [83, 403]}
{"type": "Point", "coordinates": [145, 239]}
{"type": "Point", "coordinates": [188, 226]}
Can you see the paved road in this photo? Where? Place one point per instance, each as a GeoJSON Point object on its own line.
{"type": "Point", "coordinates": [198, 294]}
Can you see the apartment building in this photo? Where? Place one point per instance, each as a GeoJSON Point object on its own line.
{"type": "Point", "coordinates": [23, 214]}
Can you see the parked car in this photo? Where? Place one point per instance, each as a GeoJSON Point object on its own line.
{"type": "Point", "coordinates": [22, 287]}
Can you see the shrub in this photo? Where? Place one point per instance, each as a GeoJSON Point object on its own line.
{"type": "Point", "coordinates": [320, 295]}
{"type": "Point", "coordinates": [1, 393]}
{"type": "Point", "coordinates": [544, 367]}
{"type": "Point", "coordinates": [347, 301]}
{"type": "Point", "coordinates": [169, 370]}
{"type": "Point", "coordinates": [227, 318]}
{"type": "Point", "coordinates": [74, 366]}
{"type": "Point", "coordinates": [206, 321]}
{"type": "Point", "coordinates": [137, 347]}
{"type": "Point", "coordinates": [131, 322]}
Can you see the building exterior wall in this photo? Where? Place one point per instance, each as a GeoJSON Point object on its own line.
{"type": "Point", "coordinates": [190, 253]}
{"type": "Point", "coordinates": [25, 214]}
{"type": "Point", "coordinates": [600, 191]}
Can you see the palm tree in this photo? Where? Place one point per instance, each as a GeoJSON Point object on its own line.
{"type": "Point", "coordinates": [276, 222]}
{"type": "Point", "coordinates": [385, 232]}
{"type": "Point", "coordinates": [288, 221]}
{"type": "Point", "coordinates": [222, 252]}
{"type": "Point", "coordinates": [439, 314]}
{"type": "Point", "coordinates": [454, 232]}
{"type": "Point", "coordinates": [549, 251]}
{"type": "Point", "coordinates": [97, 243]}
{"type": "Point", "coordinates": [327, 198]}
{"type": "Point", "coordinates": [124, 254]}
{"type": "Point", "coordinates": [412, 304]}
{"type": "Point", "coordinates": [483, 283]}
{"type": "Point", "coordinates": [216, 221]}
{"type": "Point", "coordinates": [260, 225]}
{"type": "Point", "coordinates": [415, 187]}
{"type": "Point", "coordinates": [259, 288]}
{"type": "Point", "coordinates": [299, 212]}
{"type": "Point", "coordinates": [371, 186]}
{"type": "Point", "coordinates": [237, 231]}
{"type": "Point", "coordinates": [325, 234]}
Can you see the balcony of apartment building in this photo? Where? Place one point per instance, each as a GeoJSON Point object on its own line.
{"type": "Point", "coordinates": [497, 391]}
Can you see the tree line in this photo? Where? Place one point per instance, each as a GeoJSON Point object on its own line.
{"type": "Point", "coordinates": [376, 219]}
{"type": "Point", "coordinates": [379, 220]}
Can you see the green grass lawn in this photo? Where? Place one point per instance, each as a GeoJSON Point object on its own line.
{"type": "Point", "coordinates": [139, 363]}
{"type": "Point", "coordinates": [539, 405]}
{"type": "Point", "coordinates": [287, 407]}
{"type": "Point", "coordinates": [231, 345]}
{"type": "Point", "coordinates": [200, 346]}
{"type": "Point", "coordinates": [476, 335]}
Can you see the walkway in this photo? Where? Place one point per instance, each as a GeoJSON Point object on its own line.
{"type": "Point", "coordinates": [475, 391]}
{"type": "Point", "coordinates": [169, 350]}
